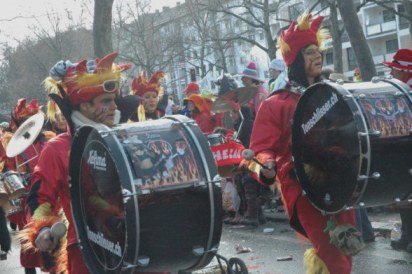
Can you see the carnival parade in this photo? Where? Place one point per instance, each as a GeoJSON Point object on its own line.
{"type": "Point", "coordinates": [279, 165]}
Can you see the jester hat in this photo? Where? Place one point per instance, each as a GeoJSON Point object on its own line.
{"type": "Point", "coordinates": [140, 85]}
{"type": "Point", "coordinates": [402, 60]}
{"type": "Point", "coordinates": [22, 110]}
{"type": "Point", "coordinates": [301, 34]}
{"type": "Point", "coordinates": [86, 79]}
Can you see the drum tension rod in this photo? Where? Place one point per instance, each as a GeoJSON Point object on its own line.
{"type": "Point", "coordinates": [142, 261]}
{"type": "Point", "coordinates": [375, 175]}
{"type": "Point", "coordinates": [373, 133]}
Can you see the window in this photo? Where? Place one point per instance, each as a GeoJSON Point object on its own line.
{"type": "Point", "coordinates": [261, 36]}
{"type": "Point", "coordinates": [388, 16]}
{"type": "Point", "coordinates": [403, 22]}
{"type": "Point", "coordinates": [351, 59]}
{"type": "Point", "coordinates": [392, 46]}
{"type": "Point", "coordinates": [329, 58]}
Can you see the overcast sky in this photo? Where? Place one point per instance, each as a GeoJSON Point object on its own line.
{"type": "Point", "coordinates": [17, 15]}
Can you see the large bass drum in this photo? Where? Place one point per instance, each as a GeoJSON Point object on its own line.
{"type": "Point", "coordinates": [352, 143]}
{"type": "Point", "coordinates": [145, 196]}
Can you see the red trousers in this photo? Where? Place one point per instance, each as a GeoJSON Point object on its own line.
{"type": "Point", "coordinates": [314, 223]}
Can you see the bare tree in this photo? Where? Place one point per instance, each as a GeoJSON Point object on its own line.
{"type": "Point", "coordinates": [24, 67]}
{"type": "Point", "coordinates": [256, 14]}
{"type": "Point", "coordinates": [357, 39]}
{"type": "Point", "coordinates": [102, 27]}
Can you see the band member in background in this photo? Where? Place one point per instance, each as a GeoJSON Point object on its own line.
{"type": "Point", "coordinates": [201, 113]}
{"type": "Point", "coordinates": [271, 142]}
{"type": "Point", "coordinates": [86, 95]}
{"type": "Point", "coordinates": [401, 69]}
{"type": "Point", "coordinates": [55, 118]}
{"type": "Point", "coordinates": [24, 164]}
{"type": "Point", "coordinates": [149, 91]}
{"type": "Point", "coordinates": [250, 78]}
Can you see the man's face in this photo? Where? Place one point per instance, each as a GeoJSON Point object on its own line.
{"type": "Point", "coordinates": [101, 109]}
{"type": "Point", "coordinates": [274, 73]}
{"type": "Point", "coordinates": [150, 100]}
{"type": "Point", "coordinates": [247, 82]}
{"type": "Point", "coordinates": [313, 61]}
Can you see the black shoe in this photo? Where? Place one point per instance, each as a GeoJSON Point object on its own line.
{"type": "Point", "coordinates": [402, 243]}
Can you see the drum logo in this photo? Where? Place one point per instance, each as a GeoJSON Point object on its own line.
{"type": "Point", "coordinates": [101, 241]}
{"type": "Point", "coordinates": [98, 162]}
{"type": "Point", "coordinates": [319, 113]}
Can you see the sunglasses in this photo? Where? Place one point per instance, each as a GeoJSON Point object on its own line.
{"type": "Point", "coordinates": [109, 85]}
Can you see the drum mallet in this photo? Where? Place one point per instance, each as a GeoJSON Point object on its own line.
{"type": "Point", "coordinates": [249, 155]}
{"type": "Point", "coordinates": [58, 230]}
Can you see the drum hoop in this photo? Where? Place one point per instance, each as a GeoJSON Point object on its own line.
{"type": "Point", "coordinates": [74, 183]}
{"type": "Point", "coordinates": [185, 121]}
{"type": "Point", "coordinates": [128, 185]}
{"type": "Point", "coordinates": [362, 125]}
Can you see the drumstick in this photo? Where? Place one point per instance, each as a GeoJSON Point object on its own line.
{"type": "Point", "coordinates": [58, 230]}
{"type": "Point", "coordinates": [249, 155]}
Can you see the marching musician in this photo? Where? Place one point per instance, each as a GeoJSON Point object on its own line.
{"type": "Point", "coordinates": [149, 92]}
{"type": "Point", "coordinates": [401, 69]}
{"type": "Point", "coordinates": [271, 142]}
{"type": "Point", "coordinates": [86, 93]}
{"type": "Point", "coordinates": [199, 107]}
{"type": "Point", "coordinates": [250, 78]}
{"type": "Point", "coordinates": [24, 164]}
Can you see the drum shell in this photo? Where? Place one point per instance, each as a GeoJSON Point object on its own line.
{"type": "Point", "coordinates": [343, 139]}
{"type": "Point", "coordinates": [162, 222]}
{"type": "Point", "coordinates": [13, 183]}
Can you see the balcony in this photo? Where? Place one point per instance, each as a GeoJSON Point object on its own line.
{"type": "Point", "coordinates": [380, 28]}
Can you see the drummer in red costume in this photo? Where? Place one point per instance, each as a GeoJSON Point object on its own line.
{"type": "Point", "coordinates": [85, 92]}
{"type": "Point", "coordinates": [271, 142]}
{"type": "Point", "coordinates": [24, 163]}
{"type": "Point", "coordinates": [401, 69]}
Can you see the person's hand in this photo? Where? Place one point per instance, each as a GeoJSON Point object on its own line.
{"type": "Point", "coordinates": [270, 170]}
{"type": "Point", "coordinates": [45, 241]}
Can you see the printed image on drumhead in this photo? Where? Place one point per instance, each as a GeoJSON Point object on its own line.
{"type": "Point", "coordinates": [325, 147]}
{"type": "Point", "coordinates": [102, 205]}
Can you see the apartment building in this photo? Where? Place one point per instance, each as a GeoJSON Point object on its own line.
{"type": "Point", "coordinates": [385, 33]}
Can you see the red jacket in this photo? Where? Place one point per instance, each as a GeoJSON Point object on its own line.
{"type": "Point", "coordinates": [52, 170]}
{"type": "Point", "coordinates": [207, 121]}
{"type": "Point", "coordinates": [272, 139]}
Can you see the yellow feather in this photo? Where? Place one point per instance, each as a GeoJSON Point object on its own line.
{"type": "Point", "coordinates": [283, 46]}
{"type": "Point", "coordinates": [91, 79]}
{"type": "Point", "coordinates": [313, 263]}
{"type": "Point", "coordinates": [42, 211]}
{"type": "Point", "coordinates": [141, 113]}
{"type": "Point", "coordinates": [51, 111]}
{"type": "Point", "coordinates": [321, 36]}
{"type": "Point", "coordinates": [304, 21]}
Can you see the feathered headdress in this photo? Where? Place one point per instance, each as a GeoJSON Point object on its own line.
{"type": "Point", "coordinates": [23, 110]}
{"type": "Point", "coordinates": [83, 81]}
{"type": "Point", "coordinates": [301, 34]}
{"type": "Point", "coordinates": [140, 86]}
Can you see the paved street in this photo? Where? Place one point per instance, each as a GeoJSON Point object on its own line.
{"type": "Point", "coordinates": [378, 257]}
